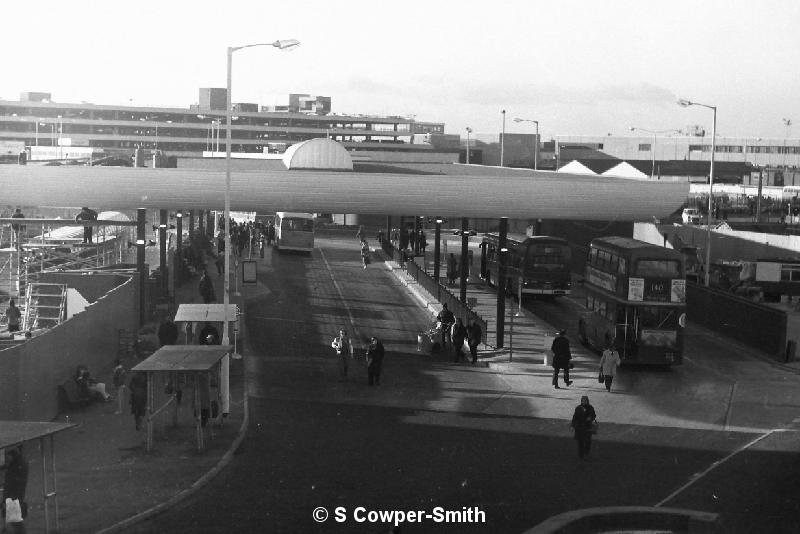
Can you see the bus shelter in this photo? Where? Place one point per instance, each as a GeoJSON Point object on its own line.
{"type": "Point", "coordinates": [16, 433]}
{"type": "Point", "coordinates": [191, 316]}
{"type": "Point", "coordinates": [195, 365]}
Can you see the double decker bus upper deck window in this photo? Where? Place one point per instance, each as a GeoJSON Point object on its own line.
{"type": "Point", "coordinates": [658, 269]}
{"type": "Point", "coordinates": [655, 317]}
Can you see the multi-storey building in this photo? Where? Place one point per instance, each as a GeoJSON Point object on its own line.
{"type": "Point", "coordinates": [36, 121]}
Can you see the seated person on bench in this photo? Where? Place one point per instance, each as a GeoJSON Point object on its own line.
{"type": "Point", "coordinates": [88, 387]}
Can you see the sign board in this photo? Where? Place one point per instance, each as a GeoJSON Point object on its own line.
{"type": "Point", "coordinates": [249, 275]}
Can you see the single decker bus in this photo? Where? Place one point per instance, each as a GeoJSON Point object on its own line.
{"type": "Point", "coordinates": [541, 264]}
{"type": "Point", "coordinates": [635, 300]}
{"type": "Point", "coordinates": [294, 231]}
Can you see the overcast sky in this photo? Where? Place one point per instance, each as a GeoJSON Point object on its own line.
{"type": "Point", "coordinates": [579, 67]}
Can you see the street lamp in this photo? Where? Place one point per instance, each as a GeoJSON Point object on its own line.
{"type": "Point", "coordinates": [788, 124]}
{"type": "Point", "coordinates": [686, 103]}
{"type": "Point", "coordinates": [536, 146]}
{"type": "Point", "coordinates": [469, 130]}
{"type": "Point", "coordinates": [285, 44]}
{"type": "Point", "coordinates": [653, 148]}
{"type": "Point", "coordinates": [503, 138]}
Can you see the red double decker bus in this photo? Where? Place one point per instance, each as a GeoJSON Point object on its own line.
{"type": "Point", "coordinates": [635, 299]}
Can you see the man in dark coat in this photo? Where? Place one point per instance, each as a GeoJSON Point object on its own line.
{"type": "Point", "coordinates": [561, 357]}
{"type": "Point", "coordinates": [447, 319]}
{"type": "Point", "coordinates": [207, 289]}
{"type": "Point", "coordinates": [86, 214]}
{"type": "Point", "coordinates": [459, 335]}
{"type": "Point", "coordinates": [167, 333]}
{"type": "Point", "coordinates": [375, 355]}
{"type": "Point", "coordinates": [474, 334]}
{"type": "Point", "coordinates": [16, 481]}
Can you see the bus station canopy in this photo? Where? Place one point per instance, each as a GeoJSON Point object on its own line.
{"type": "Point", "coordinates": [198, 313]}
{"type": "Point", "coordinates": [13, 433]}
{"type": "Point", "coordinates": [183, 358]}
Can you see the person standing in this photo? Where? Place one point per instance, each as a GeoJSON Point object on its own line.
{"type": "Point", "coordinates": [375, 355]}
{"type": "Point", "coordinates": [452, 269]}
{"type": "Point", "coordinates": [86, 215]}
{"type": "Point", "coordinates": [13, 316]}
{"type": "Point", "coordinates": [270, 233]}
{"type": "Point", "coordinates": [119, 385]}
{"type": "Point", "coordinates": [167, 333]}
{"type": "Point", "coordinates": [18, 229]}
{"type": "Point", "coordinates": [474, 334]}
{"type": "Point", "coordinates": [15, 484]}
{"type": "Point", "coordinates": [608, 365]}
{"type": "Point", "coordinates": [344, 350]}
{"type": "Point", "coordinates": [561, 357]}
{"type": "Point", "coordinates": [446, 319]}
{"type": "Point", "coordinates": [459, 335]}
{"type": "Point", "coordinates": [207, 289]}
{"type": "Point", "coordinates": [582, 422]}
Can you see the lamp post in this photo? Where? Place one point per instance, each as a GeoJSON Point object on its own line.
{"type": "Point", "coordinates": [469, 130]}
{"type": "Point", "coordinates": [653, 148]}
{"type": "Point", "coordinates": [536, 146]}
{"type": "Point", "coordinates": [687, 103]}
{"type": "Point", "coordinates": [285, 44]}
{"type": "Point", "coordinates": [788, 124]}
{"type": "Point", "coordinates": [503, 138]}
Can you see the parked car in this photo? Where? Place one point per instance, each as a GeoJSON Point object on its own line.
{"type": "Point", "coordinates": [690, 216]}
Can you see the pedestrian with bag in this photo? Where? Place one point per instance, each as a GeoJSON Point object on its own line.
{"type": "Point", "coordinates": [13, 316]}
{"type": "Point", "coordinates": [365, 259]}
{"type": "Point", "coordinates": [459, 335]}
{"type": "Point", "coordinates": [344, 350]}
{"type": "Point", "coordinates": [474, 335]}
{"type": "Point", "coordinates": [15, 509]}
{"type": "Point", "coordinates": [375, 354]}
{"type": "Point", "coordinates": [561, 358]}
{"type": "Point", "coordinates": [119, 385]}
{"type": "Point", "coordinates": [584, 423]}
{"type": "Point", "coordinates": [609, 362]}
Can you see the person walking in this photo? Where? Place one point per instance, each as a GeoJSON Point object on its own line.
{"type": "Point", "coordinates": [344, 350]}
{"type": "Point", "coordinates": [86, 215]}
{"type": "Point", "coordinates": [459, 335]}
{"type": "Point", "coordinates": [119, 384]}
{"type": "Point", "coordinates": [561, 358]}
{"type": "Point", "coordinates": [13, 316]}
{"type": "Point", "coordinates": [18, 229]}
{"type": "Point", "coordinates": [375, 355]}
{"type": "Point", "coordinates": [207, 289]}
{"type": "Point", "coordinates": [138, 398]}
{"type": "Point", "coordinates": [609, 362]}
{"type": "Point", "coordinates": [452, 269]}
{"type": "Point", "coordinates": [474, 334]}
{"type": "Point", "coordinates": [582, 423]}
{"type": "Point", "coordinates": [14, 486]}
{"type": "Point", "coordinates": [365, 259]}
{"type": "Point", "coordinates": [446, 319]}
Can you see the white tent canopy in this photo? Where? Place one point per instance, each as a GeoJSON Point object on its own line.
{"type": "Point", "coordinates": [576, 167]}
{"type": "Point", "coordinates": [626, 170]}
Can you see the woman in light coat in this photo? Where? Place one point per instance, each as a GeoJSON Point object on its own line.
{"type": "Point", "coordinates": [608, 365]}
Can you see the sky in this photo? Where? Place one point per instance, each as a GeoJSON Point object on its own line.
{"type": "Point", "coordinates": [579, 67]}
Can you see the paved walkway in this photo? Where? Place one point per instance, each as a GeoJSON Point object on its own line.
{"type": "Point", "coordinates": [106, 479]}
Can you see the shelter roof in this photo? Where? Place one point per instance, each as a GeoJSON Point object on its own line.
{"type": "Point", "coordinates": [205, 312]}
{"type": "Point", "coordinates": [184, 358]}
{"type": "Point", "coordinates": [576, 167]}
{"type": "Point", "coordinates": [14, 433]}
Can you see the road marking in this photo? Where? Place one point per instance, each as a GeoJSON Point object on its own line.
{"type": "Point", "coordinates": [355, 335]}
{"type": "Point", "coordinates": [713, 466]}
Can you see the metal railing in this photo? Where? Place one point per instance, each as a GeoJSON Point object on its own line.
{"type": "Point", "coordinates": [444, 296]}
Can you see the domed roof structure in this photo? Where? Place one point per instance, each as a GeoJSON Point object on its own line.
{"type": "Point", "coordinates": [319, 154]}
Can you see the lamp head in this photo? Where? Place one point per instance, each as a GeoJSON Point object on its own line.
{"type": "Point", "coordinates": [469, 130]}
{"type": "Point", "coordinates": [517, 119]}
{"type": "Point", "coordinates": [286, 44]}
{"type": "Point", "coordinates": [631, 128]}
{"type": "Point", "coordinates": [684, 103]}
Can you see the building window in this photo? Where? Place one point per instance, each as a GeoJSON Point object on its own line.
{"type": "Point", "coordinates": [645, 147]}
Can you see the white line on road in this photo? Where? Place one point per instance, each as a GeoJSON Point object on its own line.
{"type": "Point", "coordinates": [713, 466]}
{"type": "Point", "coordinates": [341, 297]}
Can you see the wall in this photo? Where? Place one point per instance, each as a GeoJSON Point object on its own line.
{"type": "Point", "coordinates": [31, 371]}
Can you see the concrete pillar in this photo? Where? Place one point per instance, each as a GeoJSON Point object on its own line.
{"type": "Point", "coordinates": [191, 222]}
{"type": "Point", "coordinates": [437, 254]}
{"type": "Point", "coordinates": [141, 239]}
{"type": "Point", "coordinates": [501, 282]}
{"type": "Point", "coordinates": [201, 221]}
{"type": "Point", "coordinates": [179, 248]}
{"type": "Point", "coordinates": [210, 223]}
{"type": "Point", "coordinates": [162, 249]}
{"type": "Point", "coordinates": [417, 228]}
{"type": "Point", "coordinates": [464, 258]}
